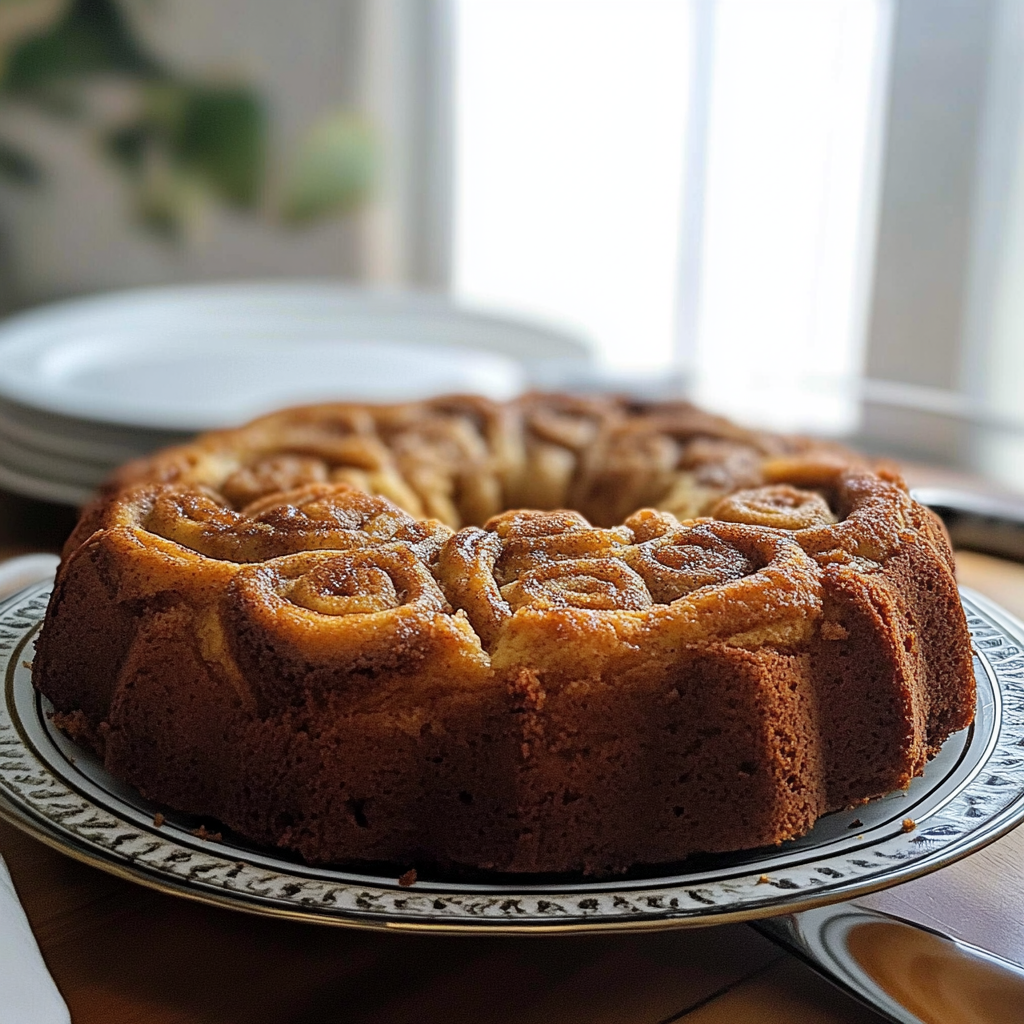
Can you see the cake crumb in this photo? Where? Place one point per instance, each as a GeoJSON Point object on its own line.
{"type": "Point", "coordinates": [409, 878]}
{"type": "Point", "coordinates": [856, 823]}
{"type": "Point", "coordinates": [77, 728]}
{"type": "Point", "coordinates": [158, 819]}
{"type": "Point", "coordinates": [203, 833]}
{"type": "Point", "coordinates": [27, 664]}
{"type": "Point", "coordinates": [834, 631]}
{"type": "Point", "coordinates": [909, 824]}
{"type": "Point", "coordinates": [763, 880]}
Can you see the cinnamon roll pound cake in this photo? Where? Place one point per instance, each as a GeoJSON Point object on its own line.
{"type": "Point", "coordinates": [555, 635]}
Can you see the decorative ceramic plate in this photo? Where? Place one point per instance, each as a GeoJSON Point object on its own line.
{"type": "Point", "coordinates": [971, 794]}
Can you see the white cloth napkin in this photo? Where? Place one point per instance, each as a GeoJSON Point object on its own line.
{"type": "Point", "coordinates": [23, 571]}
{"type": "Point", "coordinates": [27, 992]}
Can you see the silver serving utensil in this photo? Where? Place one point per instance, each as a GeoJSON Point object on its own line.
{"type": "Point", "coordinates": [906, 972]}
{"type": "Point", "coordinates": [980, 522]}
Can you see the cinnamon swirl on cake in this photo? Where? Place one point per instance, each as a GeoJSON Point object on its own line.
{"type": "Point", "coordinates": [556, 635]}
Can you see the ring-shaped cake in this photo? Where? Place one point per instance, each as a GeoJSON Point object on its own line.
{"type": "Point", "coordinates": [555, 635]}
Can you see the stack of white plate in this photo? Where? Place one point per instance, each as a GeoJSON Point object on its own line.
{"type": "Point", "coordinates": [88, 384]}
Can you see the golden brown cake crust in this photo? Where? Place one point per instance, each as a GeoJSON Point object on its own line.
{"type": "Point", "coordinates": [559, 634]}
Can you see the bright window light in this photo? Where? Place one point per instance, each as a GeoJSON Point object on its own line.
{"type": "Point", "coordinates": [571, 157]}
{"type": "Point", "coordinates": [570, 117]}
{"type": "Point", "coordinates": [788, 231]}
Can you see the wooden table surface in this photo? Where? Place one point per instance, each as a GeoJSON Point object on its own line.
{"type": "Point", "coordinates": [121, 953]}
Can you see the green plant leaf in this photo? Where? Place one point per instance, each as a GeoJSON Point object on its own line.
{"type": "Point", "coordinates": [126, 145]}
{"type": "Point", "coordinates": [190, 142]}
{"type": "Point", "coordinates": [92, 37]}
{"type": "Point", "coordinates": [334, 171]}
{"type": "Point", "coordinates": [17, 166]}
{"type": "Point", "coordinates": [221, 137]}
{"type": "Point", "coordinates": [169, 202]}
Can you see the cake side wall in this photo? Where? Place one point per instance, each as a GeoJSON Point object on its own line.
{"type": "Point", "coordinates": [717, 751]}
{"type": "Point", "coordinates": [873, 706]}
{"type": "Point", "coordinates": [937, 632]}
{"type": "Point", "coordinates": [86, 635]}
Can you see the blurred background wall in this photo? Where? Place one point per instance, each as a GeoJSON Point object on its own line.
{"type": "Point", "coordinates": [809, 215]}
{"type": "Point", "coordinates": [76, 231]}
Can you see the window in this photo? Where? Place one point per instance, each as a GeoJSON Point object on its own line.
{"type": "Point", "coordinates": [569, 122]}
{"type": "Point", "coordinates": [792, 162]}
{"type": "Point", "coordinates": [581, 127]}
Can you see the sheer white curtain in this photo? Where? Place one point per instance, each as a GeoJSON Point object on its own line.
{"type": "Point", "coordinates": [693, 184]}
{"type": "Point", "coordinates": [992, 350]}
{"type": "Point", "coordinates": [812, 209]}
{"type": "Point", "coordinates": [569, 122]}
{"type": "Point", "coordinates": [788, 234]}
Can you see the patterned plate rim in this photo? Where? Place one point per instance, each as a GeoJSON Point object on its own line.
{"type": "Point", "coordinates": [977, 799]}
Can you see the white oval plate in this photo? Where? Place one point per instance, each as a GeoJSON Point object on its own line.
{"type": "Point", "coordinates": [72, 438]}
{"type": "Point", "coordinates": [212, 356]}
{"type": "Point", "coordinates": [971, 794]}
{"type": "Point", "coordinates": [57, 492]}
